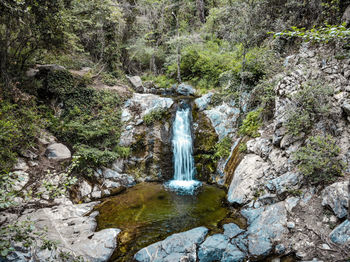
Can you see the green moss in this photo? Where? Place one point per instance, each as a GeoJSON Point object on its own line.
{"type": "Point", "coordinates": [154, 116]}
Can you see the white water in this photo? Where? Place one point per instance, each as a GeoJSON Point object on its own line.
{"type": "Point", "coordinates": [184, 169]}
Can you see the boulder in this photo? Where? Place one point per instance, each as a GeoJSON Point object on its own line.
{"type": "Point", "coordinates": [122, 179]}
{"type": "Point", "coordinates": [232, 230]}
{"type": "Point", "coordinates": [58, 151]}
{"type": "Point", "coordinates": [346, 15]}
{"type": "Point", "coordinates": [341, 234]}
{"type": "Point", "coordinates": [136, 83]}
{"type": "Point", "coordinates": [222, 118]}
{"type": "Point", "coordinates": [51, 67]}
{"type": "Point", "coordinates": [266, 225]}
{"type": "Point", "coordinates": [203, 102]}
{"type": "Point", "coordinates": [259, 146]}
{"type": "Point", "coordinates": [336, 197]}
{"type": "Point", "coordinates": [177, 247]}
{"type": "Point", "coordinates": [281, 184]}
{"type": "Point", "coordinates": [246, 175]}
{"type": "Point", "coordinates": [73, 229]}
{"type": "Point", "coordinates": [186, 90]}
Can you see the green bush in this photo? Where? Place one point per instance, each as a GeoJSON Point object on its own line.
{"type": "Point", "coordinates": [109, 79]}
{"type": "Point", "coordinates": [223, 148]}
{"type": "Point", "coordinates": [154, 116]}
{"type": "Point", "coordinates": [309, 104]}
{"type": "Point", "coordinates": [251, 124]}
{"type": "Point", "coordinates": [319, 160]}
{"type": "Point", "coordinates": [161, 81]}
{"type": "Point", "coordinates": [19, 126]}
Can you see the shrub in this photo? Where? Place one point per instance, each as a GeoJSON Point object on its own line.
{"type": "Point", "coordinates": [161, 81]}
{"type": "Point", "coordinates": [19, 126]}
{"type": "Point", "coordinates": [109, 79]}
{"type": "Point", "coordinates": [251, 124]}
{"type": "Point", "coordinates": [223, 148]}
{"type": "Point", "coordinates": [154, 116]}
{"type": "Point", "coordinates": [319, 160]}
{"type": "Point", "coordinates": [309, 104]}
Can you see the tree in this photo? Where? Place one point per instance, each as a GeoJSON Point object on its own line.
{"type": "Point", "coordinates": [27, 26]}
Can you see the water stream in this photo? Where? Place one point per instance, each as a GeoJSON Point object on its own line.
{"type": "Point", "coordinates": [184, 169]}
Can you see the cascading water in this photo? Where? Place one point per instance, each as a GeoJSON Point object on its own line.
{"type": "Point", "coordinates": [184, 169]}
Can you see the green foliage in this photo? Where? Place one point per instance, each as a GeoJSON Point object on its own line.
{"type": "Point", "coordinates": [223, 148]}
{"type": "Point", "coordinates": [263, 95]}
{"type": "Point", "coordinates": [308, 104]}
{"type": "Point", "coordinates": [242, 148]}
{"type": "Point", "coordinates": [154, 116]}
{"type": "Point", "coordinates": [325, 34]}
{"type": "Point", "coordinates": [19, 126]}
{"type": "Point", "coordinates": [160, 81]}
{"type": "Point", "coordinates": [90, 122]}
{"type": "Point", "coordinates": [319, 160]}
{"type": "Point", "coordinates": [109, 79]}
{"type": "Point", "coordinates": [251, 124]}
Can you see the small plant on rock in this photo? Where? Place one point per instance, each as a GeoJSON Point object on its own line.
{"type": "Point", "coordinates": [319, 160]}
{"type": "Point", "coordinates": [251, 124]}
{"type": "Point", "coordinates": [154, 116]}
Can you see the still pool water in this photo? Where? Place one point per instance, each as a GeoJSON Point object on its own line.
{"type": "Point", "coordinates": [147, 213]}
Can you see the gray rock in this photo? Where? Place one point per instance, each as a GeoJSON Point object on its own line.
{"type": "Point", "coordinates": [259, 146]}
{"type": "Point", "coordinates": [291, 225]}
{"type": "Point", "coordinates": [122, 179]}
{"type": "Point", "coordinates": [74, 231]}
{"type": "Point", "coordinates": [231, 230]}
{"type": "Point", "coordinates": [177, 247]}
{"type": "Point", "coordinates": [242, 187]}
{"type": "Point", "coordinates": [266, 225]}
{"type": "Point", "coordinates": [51, 67]}
{"type": "Point", "coordinates": [222, 117]}
{"type": "Point", "coordinates": [21, 165]}
{"type": "Point", "coordinates": [203, 102]}
{"type": "Point", "coordinates": [184, 89]}
{"type": "Point", "coordinates": [58, 151]}
{"type": "Point", "coordinates": [85, 188]}
{"type": "Point", "coordinates": [118, 165]}
{"type": "Point", "coordinates": [336, 197]}
{"type": "Point", "coordinates": [218, 248]}
{"type": "Point", "coordinates": [346, 107]}
{"type": "Point", "coordinates": [281, 184]}
{"type": "Point", "coordinates": [21, 179]}
{"type": "Point", "coordinates": [341, 234]}
{"type": "Point", "coordinates": [136, 83]}
{"type": "Point", "coordinates": [100, 245]}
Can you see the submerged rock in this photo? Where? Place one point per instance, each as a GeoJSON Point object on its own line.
{"type": "Point", "coordinates": [58, 151]}
{"type": "Point", "coordinates": [336, 197]}
{"type": "Point", "coordinates": [177, 247]}
{"type": "Point", "coordinates": [341, 234]}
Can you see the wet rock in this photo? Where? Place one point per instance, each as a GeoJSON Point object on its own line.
{"type": "Point", "coordinates": [266, 225]}
{"type": "Point", "coordinates": [136, 83]}
{"type": "Point", "coordinates": [248, 172]}
{"type": "Point", "coordinates": [336, 197]}
{"type": "Point", "coordinates": [341, 234]}
{"type": "Point", "coordinates": [281, 184]}
{"type": "Point", "coordinates": [58, 151]}
{"type": "Point", "coordinates": [177, 247]}
{"type": "Point", "coordinates": [203, 102]}
{"type": "Point", "coordinates": [185, 89]}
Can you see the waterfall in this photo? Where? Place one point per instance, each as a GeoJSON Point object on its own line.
{"type": "Point", "coordinates": [184, 169]}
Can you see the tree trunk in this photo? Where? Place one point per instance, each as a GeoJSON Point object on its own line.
{"type": "Point", "coordinates": [200, 10]}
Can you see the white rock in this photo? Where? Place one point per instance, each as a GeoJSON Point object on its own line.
{"type": "Point", "coordinates": [58, 151]}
